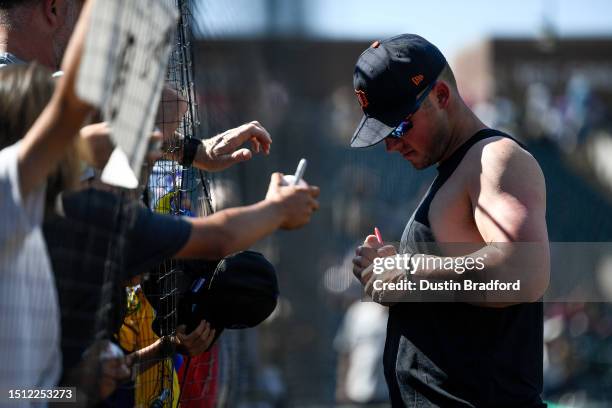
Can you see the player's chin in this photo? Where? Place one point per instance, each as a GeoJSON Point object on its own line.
{"type": "Point", "coordinates": [420, 162]}
{"type": "Point", "coordinates": [417, 164]}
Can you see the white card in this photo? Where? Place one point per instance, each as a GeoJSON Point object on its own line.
{"type": "Point", "coordinates": [122, 73]}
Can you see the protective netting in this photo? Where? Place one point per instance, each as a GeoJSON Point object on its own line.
{"type": "Point", "coordinates": [300, 90]}
{"type": "Point", "coordinates": [178, 191]}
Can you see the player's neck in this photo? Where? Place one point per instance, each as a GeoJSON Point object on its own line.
{"type": "Point", "coordinates": [465, 125]}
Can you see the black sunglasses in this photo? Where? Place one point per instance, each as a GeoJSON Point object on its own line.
{"type": "Point", "coordinates": [406, 124]}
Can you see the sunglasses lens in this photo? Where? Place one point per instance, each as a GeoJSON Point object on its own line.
{"type": "Point", "coordinates": [401, 129]}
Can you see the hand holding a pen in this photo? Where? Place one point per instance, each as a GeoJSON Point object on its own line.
{"type": "Point", "coordinates": [365, 255]}
{"type": "Point", "coordinates": [296, 203]}
{"type": "Point", "coordinates": [373, 247]}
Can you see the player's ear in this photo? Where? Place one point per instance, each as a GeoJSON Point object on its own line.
{"type": "Point", "coordinates": [442, 93]}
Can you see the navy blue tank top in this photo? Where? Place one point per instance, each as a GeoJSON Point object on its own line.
{"type": "Point", "coordinates": [457, 354]}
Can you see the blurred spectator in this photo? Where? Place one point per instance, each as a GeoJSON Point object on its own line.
{"type": "Point", "coordinates": [500, 113]}
{"type": "Point", "coordinates": [542, 119]}
{"type": "Point", "coordinates": [360, 343]}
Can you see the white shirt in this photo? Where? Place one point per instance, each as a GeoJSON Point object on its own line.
{"type": "Point", "coordinates": [29, 312]}
{"type": "Point", "coordinates": [362, 335]}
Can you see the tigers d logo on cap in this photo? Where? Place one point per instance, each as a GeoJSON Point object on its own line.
{"type": "Point", "coordinates": [393, 72]}
{"type": "Point", "coordinates": [362, 97]}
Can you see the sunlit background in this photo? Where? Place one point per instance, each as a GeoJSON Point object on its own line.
{"type": "Point", "coordinates": [541, 70]}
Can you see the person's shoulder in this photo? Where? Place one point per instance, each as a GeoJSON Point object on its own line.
{"type": "Point", "coordinates": [20, 212]}
{"type": "Point", "coordinates": [500, 154]}
{"type": "Point", "coordinates": [501, 163]}
{"type": "Point", "coordinates": [500, 146]}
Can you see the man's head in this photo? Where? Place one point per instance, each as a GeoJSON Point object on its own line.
{"type": "Point", "coordinates": [38, 30]}
{"type": "Point", "coordinates": [404, 87]}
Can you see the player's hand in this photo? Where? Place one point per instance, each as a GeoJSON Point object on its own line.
{"type": "Point", "coordinates": [196, 342]}
{"type": "Point", "coordinates": [296, 203]}
{"type": "Point", "coordinates": [364, 257]}
{"type": "Point", "coordinates": [387, 276]}
{"type": "Point", "coordinates": [224, 150]}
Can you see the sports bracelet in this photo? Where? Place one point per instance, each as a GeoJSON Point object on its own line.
{"type": "Point", "coordinates": [190, 148]}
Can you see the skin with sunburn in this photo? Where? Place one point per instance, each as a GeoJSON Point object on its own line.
{"type": "Point", "coordinates": [484, 201]}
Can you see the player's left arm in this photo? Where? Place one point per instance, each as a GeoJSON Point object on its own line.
{"type": "Point", "coordinates": [507, 192]}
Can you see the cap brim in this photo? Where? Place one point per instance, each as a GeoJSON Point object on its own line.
{"type": "Point", "coordinates": [370, 131]}
{"type": "Point", "coordinates": [373, 129]}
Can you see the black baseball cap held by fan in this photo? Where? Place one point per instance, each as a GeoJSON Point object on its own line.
{"type": "Point", "coordinates": [388, 78]}
{"type": "Point", "coordinates": [240, 291]}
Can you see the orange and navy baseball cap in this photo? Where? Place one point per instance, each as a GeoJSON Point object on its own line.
{"type": "Point", "coordinates": [388, 77]}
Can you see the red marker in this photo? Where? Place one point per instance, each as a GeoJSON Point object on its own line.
{"type": "Point", "coordinates": [378, 236]}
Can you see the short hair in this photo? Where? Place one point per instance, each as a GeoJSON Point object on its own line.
{"type": "Point", "coordinates": [25, 91]}
{"type": "Point", "coordinates": [447, 76]}
{"type": "Point", "coordinates": [11, 10]}
{"type": "Point", "coordinates": [9, 4]}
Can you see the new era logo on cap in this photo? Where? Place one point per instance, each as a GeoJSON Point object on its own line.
{"type": "Point", "coordinates": [416, 80]}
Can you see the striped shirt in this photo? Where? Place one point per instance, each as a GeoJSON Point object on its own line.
{"type": "Point", "coordinates": [29, 315]}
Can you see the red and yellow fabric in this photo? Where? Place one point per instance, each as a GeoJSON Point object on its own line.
{"type": "Point", "coordinates": [137, 333]}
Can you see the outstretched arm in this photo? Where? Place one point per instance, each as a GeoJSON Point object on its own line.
{"type": "Point", "coordinates": [45, 143]}
{"type": "Point", "coordinates": [236, 229]}
{"type": "Point", "coordinates": [222, 151]}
